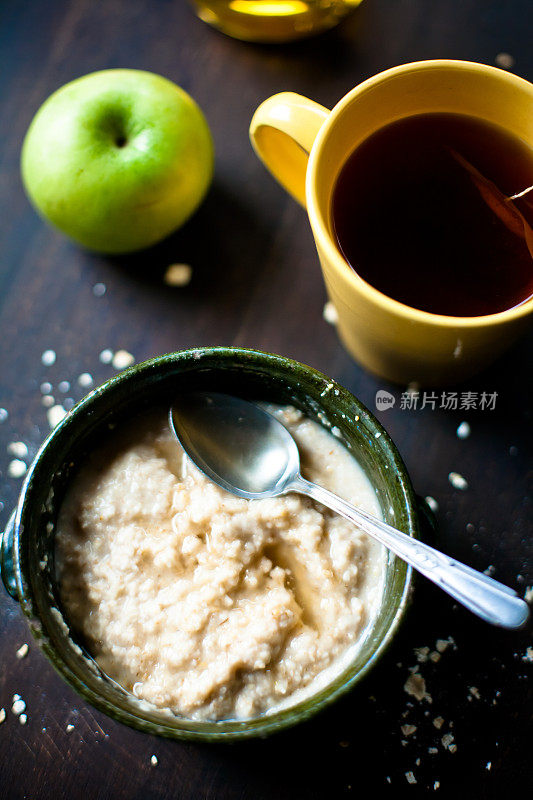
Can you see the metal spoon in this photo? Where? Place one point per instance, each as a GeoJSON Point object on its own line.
{"type": "Point", "coordinates": [248, 452]}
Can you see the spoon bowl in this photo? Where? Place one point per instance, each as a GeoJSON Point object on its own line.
{"type": "Point", "coordinates": [238, 445]}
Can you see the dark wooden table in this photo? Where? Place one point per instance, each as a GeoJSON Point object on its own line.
{"type": "Point", "coordinates": [257, 283]}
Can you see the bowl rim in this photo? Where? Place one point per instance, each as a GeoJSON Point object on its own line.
{"type": "Point", "coordinates": [223, 730]}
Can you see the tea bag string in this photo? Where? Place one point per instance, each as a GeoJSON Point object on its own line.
{"type": "Point", "coordinates": [502, 206]}
{"type": "Point", "coordinates": [520, 194]}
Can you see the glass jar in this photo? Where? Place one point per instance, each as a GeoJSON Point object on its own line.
{"type": "Point", "coordinates": [273, 20]}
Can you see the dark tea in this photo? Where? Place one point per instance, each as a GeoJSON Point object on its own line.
{"type": "Point", "coordinates": [423, 210]}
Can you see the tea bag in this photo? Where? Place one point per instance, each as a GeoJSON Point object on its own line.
{"type": "Point", "coordinates": [504, 207]}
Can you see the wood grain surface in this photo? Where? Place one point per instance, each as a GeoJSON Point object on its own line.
{"type": "Point", "coordinates": [256, 282]}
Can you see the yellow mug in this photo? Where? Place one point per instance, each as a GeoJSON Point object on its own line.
{"type": "Point", "coordinates": [305, 146]}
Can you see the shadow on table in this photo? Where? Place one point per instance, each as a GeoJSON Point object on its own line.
{"type": "Point", "coordinates": [501, 397]}
{"type": "Point", "coordinates": [225, 243]}
{"type": "Point", "coordinates": [330, 53]}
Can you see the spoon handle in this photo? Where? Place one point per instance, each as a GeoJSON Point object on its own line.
{"type": "Point", "coordinates": [489, 599]}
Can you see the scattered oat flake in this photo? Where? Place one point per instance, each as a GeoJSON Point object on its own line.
{"type": "Point", "coordinates": [16, 468]}
{"type": "Point", "coordinates": [106, 356]}
{"type": "Point", "coordinates": [504, 60]}
{"type": "Point", "coordinates": [3, 414]}
{"type": "Point", "coordinates": [48, 358]}
{"type": "Point", "coordinates": [433, 750]}
{"type": "Point", "coordinates": [528, 596]}
{"type": "Point", "coordinates": [55, 415]}
{"type": "Point", "coordinates": [178, 275]}
{"type": "Point", "coordinates": [330, 313]}
{"type": "Point", "coordinates": [457, 481]}
{"type": "Point", "coordinates": [2, 715]}
{"type": "Point", "coordinates": [17, 449]}
{"type": "Point", "coordinates": [122, 359]}
{"type": "Point", "coordinates": [410, 777]}
{"type": "Point", "coordinates": [18, 706]}
{"type": "Point", "coordinates": [438, 722]}
{"type": "Point", "coordinates": [407, 730]}
{"type": "Point", "coordinates": [529, 655]}
{"type": "Point", "coordinates": [22, 652]}
{"type": "Point", "coordinates": [463, 431]}
{"type": "Point", "coordinates": [69, 728]}
{"type": "Point", "coordinates": [85, 380]}
{"type": "Point", "coordinates": [415, 685]}
{"type": "Point", "coordinates": [434, 656]}
{"type": "Point", "coordinates": [489, 765]}
{"type": "Point", "coordinates": [447, 740]}
{"type": "Point", "coordinates": [99, 289]}
{"type": "Point", "coordinates": [432, 503]}
{"type": "Point", "coordinates": [443, 644]}
{"type": "Point", "coordinates": [154, 761]}
{"type": "Point", "coordinates": [421, 654]}
{"type": "Point", "coordinates": [436, 785]}
{"type": "Point", "coordinates": [23, 719]}
{"type": "Point", "coordinates": [474, 691]}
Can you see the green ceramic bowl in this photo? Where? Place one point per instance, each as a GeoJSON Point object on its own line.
{"type": "Point", "coordinates": [28, 541]}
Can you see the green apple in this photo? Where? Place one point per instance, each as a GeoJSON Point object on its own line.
{"type": "Point", "coordinates": [118, 159]}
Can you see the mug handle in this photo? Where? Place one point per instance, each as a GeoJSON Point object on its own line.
{"type": "Point", "coordinates": [282, 133]}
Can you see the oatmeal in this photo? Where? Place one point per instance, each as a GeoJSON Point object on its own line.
{"type": "Point", "coordinates": [207, 604]}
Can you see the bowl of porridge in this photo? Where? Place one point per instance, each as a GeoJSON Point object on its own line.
{"type": "Point", "coordinates": [180, 609]}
